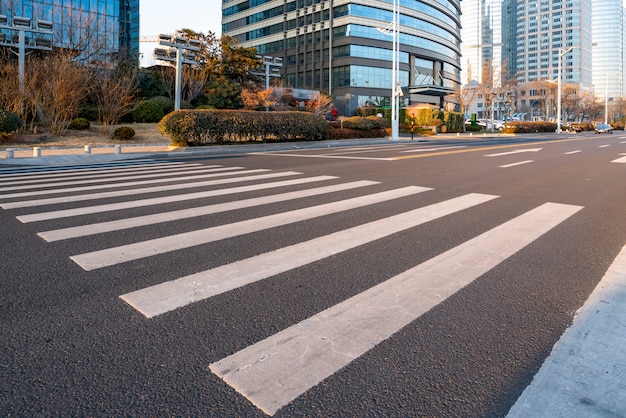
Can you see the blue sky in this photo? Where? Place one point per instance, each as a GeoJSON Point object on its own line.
{"type": "Point", "coordinates": [160, 16]}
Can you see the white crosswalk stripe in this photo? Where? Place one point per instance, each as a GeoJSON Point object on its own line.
{"type": "Point", "coordinates": [273, 372]}
{"type": "Point", "coordinates": [125, 253]}
{"type": "Point", "coordinates": [101, 227]}
{"type": "Point", "coordinates": [119, 182]}
{"type": "Point", "coordinates": [130, 192]}
{"type": "Point", "coordinates": [167, 296]}
{"type": "Point", "coordinates": [276, 370]}
{"type": "Point", "coordinates": [65, 213]}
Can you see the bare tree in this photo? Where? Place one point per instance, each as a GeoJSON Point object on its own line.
{"type": "Point", "coordinates": [56, 88]}
{"type": "Point", "coordinates": [320, 104]}
{"type": "Point", "coordinates": [10, 97]}
{"type": "Point", "coordinates": [113, 93]}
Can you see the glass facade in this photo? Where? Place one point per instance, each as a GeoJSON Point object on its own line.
{"type": "Point", "coordinates": [106, 26]}
{"type": "Point", "coordinates": [337, 48]}
{"type": "Point", "coordinates": [608, 48]}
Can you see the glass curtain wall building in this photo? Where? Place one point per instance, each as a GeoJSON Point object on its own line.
{"type": "Point", "coordinates": [336, 46]}
{"type": "Point", "coordinates": [111, 24]}
{"type": "Point", "coordinates": [608, 48]}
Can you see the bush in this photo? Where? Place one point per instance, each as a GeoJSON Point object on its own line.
{"type": "Point", "coordinates": [525, 127]}
{"type": "Point", "coordinates": [365, 123]}
{"type": "Point", "coordinates": [79, 124]}
{"type": "Point", "coordinates": [123, 133]}
{"type": "Point", "coordinates": [148, 111]}
{"type": "Point", "coordinates": [199, 127]}
{"type": "Point", "coordinates": [9, 122]}
{"type": "Point", "coordinates": [89, 112]}
{"type": "Point", "coordinates": [166, 103]}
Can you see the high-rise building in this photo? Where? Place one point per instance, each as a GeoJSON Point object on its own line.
{"type": "Point", "coordinates": [608, 48]}
{"type": "Point", "coordinates": [111, 24]}
{"type": "Point", "coordinates": [483, 44]}
{"type": "Point", "coordinates": [548, 29]}
{"type": "Point", "coordinates": [338, 47]}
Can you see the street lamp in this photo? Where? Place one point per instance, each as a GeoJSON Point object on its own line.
{"type": "Point", "coordinates": [272, 69]}
{"type": "Point", "coordinates": [606, 97]}
{"type": "Point", "coordinates": [24, 25]}
{"type": "Point", "coordinates": [396, 90]}
{"type": "Point", "coordinates": [558, 106]}
{"type": "Point", "coordinates": [178, 53]}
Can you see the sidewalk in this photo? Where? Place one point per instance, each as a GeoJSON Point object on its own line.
{"type": "Point", "coordinates": [585, 375]}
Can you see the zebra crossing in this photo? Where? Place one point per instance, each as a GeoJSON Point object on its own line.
{"type": "Point", "coordinates": [274, 371]}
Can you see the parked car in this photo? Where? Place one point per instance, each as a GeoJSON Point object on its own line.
{"type": "Point", "coordinates": [603, 128]}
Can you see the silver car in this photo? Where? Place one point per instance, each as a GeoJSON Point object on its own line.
{"type": "Point", "coordinates": [603, 128]}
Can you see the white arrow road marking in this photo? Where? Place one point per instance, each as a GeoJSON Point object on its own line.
{"type": "Point", "coordinates": [517, 163]}
{"type": "Point", "coordinates": [517, 151]}
{"type": "Point", "coordinates": [165, 297]}
{"type": "Point", "coordinates": [620, 160]}
{"type": "Point", "coordinates": [434, 149]}
{"type": "Point", "coordinates": [275, 371]}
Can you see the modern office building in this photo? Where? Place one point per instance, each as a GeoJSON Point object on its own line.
{"type": "Point", "coordinates": [608, 48]}
{"type": "Point", "coordinates": [114, 24]}
{"type": "Point", "coordinates": [483, 46]}
{"type": "Point", "coordinates": [527, 39]}
{"type": "Point", "coordinates": [341, 47]}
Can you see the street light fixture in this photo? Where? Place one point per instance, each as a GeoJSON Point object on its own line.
{"type": "Point", "coordinates": [558, 106]}
{"type": "Point", "coordinates": [396, 90]}
{"type": "Point", "coordinates": [606, 97]}
{"type": "Point", "coordinates": [23, 25]}
{"type": "Point", "coordinates": [177, 53]}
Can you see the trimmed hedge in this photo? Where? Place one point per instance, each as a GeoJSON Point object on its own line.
{"type": "Point", "coordinates": [79, 124]}
{"type": "Point", "coordinates": [201, 127]}
{"type": "Point", "coordinates": [123, 133]}
{"type": "Point", "coordinates": [148, 111]}
{"type": "Point", "coordinates": [528, 127]}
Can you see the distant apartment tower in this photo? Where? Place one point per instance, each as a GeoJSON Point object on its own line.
{"type": "Point", "coordinates": [545, 30]}
{"type": "Point", "coordinates": [335, 46]}
{"type": "Point", "coordinates": [608, 48]}
{"type": "Point", "coordinates": [112, 23]}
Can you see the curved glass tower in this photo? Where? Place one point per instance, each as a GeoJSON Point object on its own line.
{"type": "Point", "coordinates": [340, 46]}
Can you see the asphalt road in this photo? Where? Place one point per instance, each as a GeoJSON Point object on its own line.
{"type": "Point", "coordinates": [409, 279]}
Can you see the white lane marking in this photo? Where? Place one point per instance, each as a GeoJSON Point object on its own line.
{"type": "Point", "coordinates": [125, 253]}
{"type": "Point", "coordinates": [517, 151]}
{"type": "Point", "coordinates": [115, 183]}
{"type": "Point", "coordinates": [135, 222]}
{"type": "Point", "coordinates": [620, 160]}
{"type": "Point", "coordinates": [64, 174]}
{"type": "Point", "coordinates": [604, 146]}
{"type": "Point", "coordinates": [278, 154]}
{"type": "Point", "coordinates": [66, 213]}
{"type": "Point", "coordinates": [517, 163]}
{"type": "Point", "coordinates": [434, 149]}
{"type": "Point", "coordinates": [573, 152]}
{"type": "Point", "coordinates": [165, 297]}
{"type": "Point", "coordinates": [275, 371]}
{"type": "Point", "coordinates": [131, 192]}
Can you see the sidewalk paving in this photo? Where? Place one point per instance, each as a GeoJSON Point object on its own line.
{"type": "Point", "coordinates": [585, 375]}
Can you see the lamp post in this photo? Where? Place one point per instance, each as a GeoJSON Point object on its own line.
{"type": "Point", "coordinates": [558, 105]}
{"type": "Point", "coordinates": [178, 53]}
{"type": "Point", "coordinates": [272, 69]}
{"type": "Point", "coordinates": [24, 25]}
{"type": "Point", "coordinates": [606, 97]}
{"type": "Point", "coordinates": [396, 90]}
